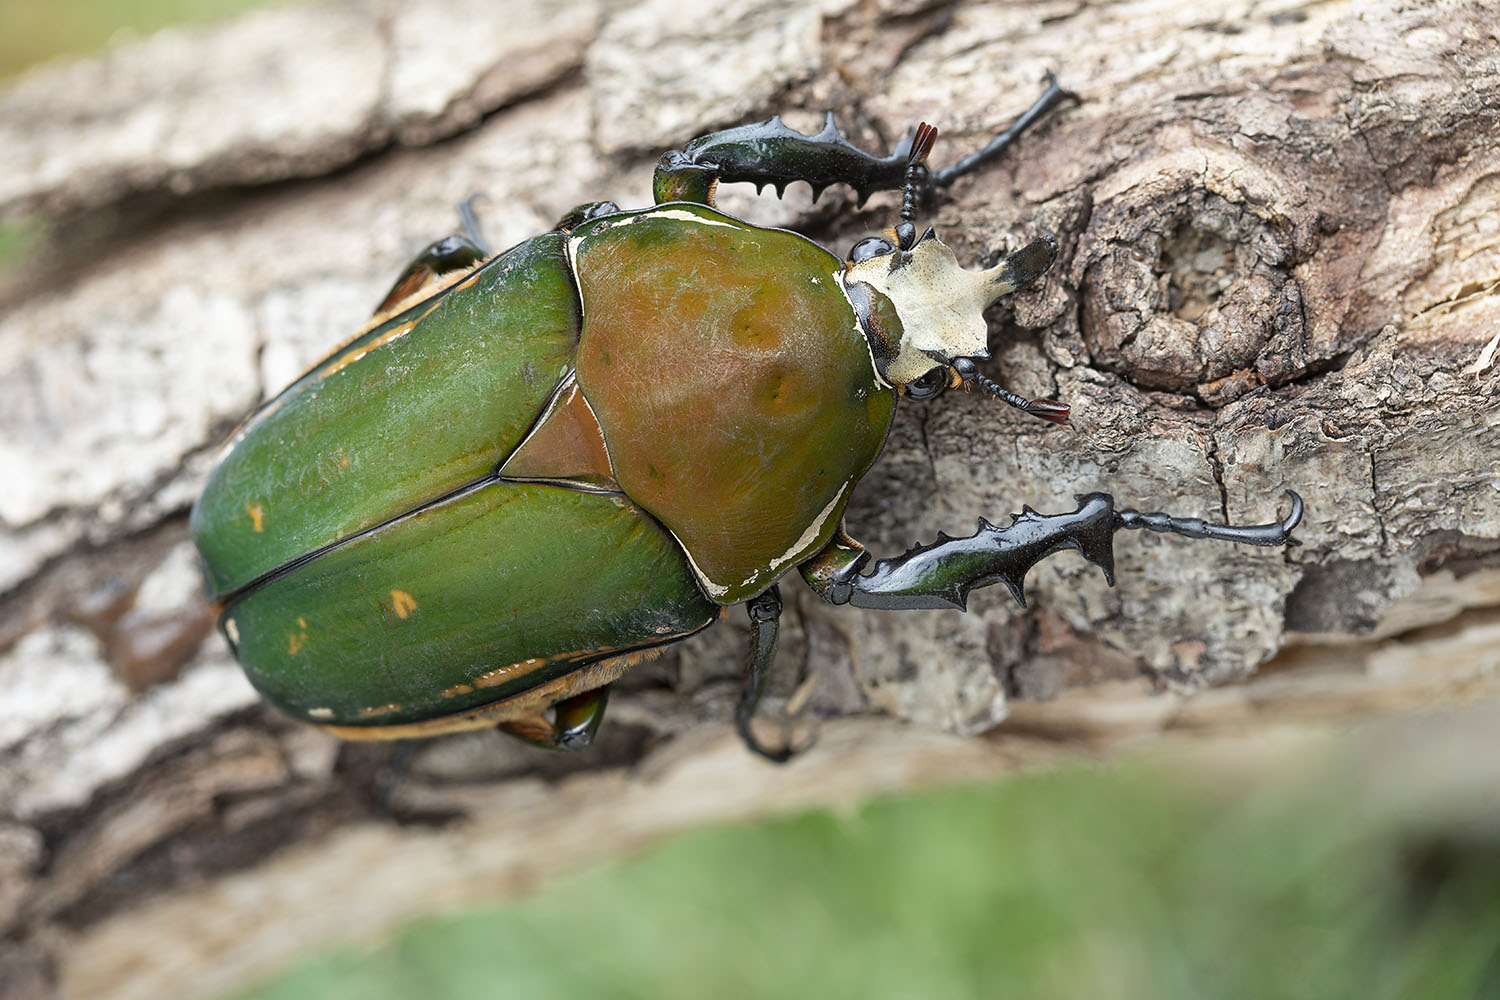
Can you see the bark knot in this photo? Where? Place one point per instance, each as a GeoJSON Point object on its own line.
{"type": "Point", "coordinates": [1188, 282]}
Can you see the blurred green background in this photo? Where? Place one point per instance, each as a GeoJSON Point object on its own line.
{"type": "Point", "coordinates": [1131, 881]}
{"type": "Point", "coordinates": [33, 31]}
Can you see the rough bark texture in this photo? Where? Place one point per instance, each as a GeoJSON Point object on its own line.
{"type": "Point", "coordinates": [1280, 266]}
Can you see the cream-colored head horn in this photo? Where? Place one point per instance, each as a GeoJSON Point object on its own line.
{"type": "Point", "coordinates": [941, 304]}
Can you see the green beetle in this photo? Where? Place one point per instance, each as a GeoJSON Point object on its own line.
{"type": "Point", "coordinates": [533, 469]}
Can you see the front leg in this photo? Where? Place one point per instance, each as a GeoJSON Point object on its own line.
{"type": "Point", "coordinates": [770, 153]}
{"type": "Point", "coordinates": [942, 574]}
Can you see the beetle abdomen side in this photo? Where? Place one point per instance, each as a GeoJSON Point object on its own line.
{"type": "Point", "coordinates": [478, 598]}
{"type": "Point", "coordinates": [737, 395]}
{"type": "Point", "coordinates": [422, 405]}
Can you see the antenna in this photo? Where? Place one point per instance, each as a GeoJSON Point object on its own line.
{"type": "Point", "coordinates": [1047, 409]}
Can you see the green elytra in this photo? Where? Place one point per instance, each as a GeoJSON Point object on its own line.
{"type": "Point", "coordinates": [533, 469]}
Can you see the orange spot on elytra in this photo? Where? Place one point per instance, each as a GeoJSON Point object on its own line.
{"type": "Point", "coordinates": [297, 640]}
{"type": "Point", "coordinates": [403, 603]}
{"type": "Point", "coordinates": [257, 516]}
{"type": "Point", "coordinates": [458, 689]}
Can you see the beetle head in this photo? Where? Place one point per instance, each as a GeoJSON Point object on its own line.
{"type": "Point", "coordinates": [939, 304]}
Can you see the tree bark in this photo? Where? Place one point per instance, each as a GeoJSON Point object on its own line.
{"type": "Point", "coordinates": [1280, 269]}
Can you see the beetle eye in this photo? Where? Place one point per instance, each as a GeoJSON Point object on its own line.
{"type": "Point", "coordinates": [870, 246]}
{"type": "Point", "coordinates": [928, 385]}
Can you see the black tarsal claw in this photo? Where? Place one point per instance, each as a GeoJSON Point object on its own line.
{"type": "Point", "coordinates": [1278, 532]}
{"type": "Point", "coordinates": [1292, 519]}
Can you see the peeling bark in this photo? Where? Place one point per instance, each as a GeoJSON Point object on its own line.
{"type": "Point", "coordinates": [1280, 268]}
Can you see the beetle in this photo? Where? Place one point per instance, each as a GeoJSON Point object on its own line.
{"type": "Point", "coordinates": [533, 469]}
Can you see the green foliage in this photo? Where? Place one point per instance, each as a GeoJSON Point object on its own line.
{"type": "Point", "coordinates": [32, 31]}
{"type": "Point", "coordinates": [1108, 885]}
